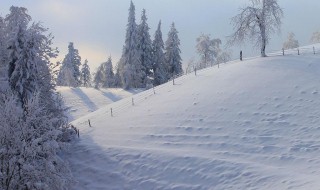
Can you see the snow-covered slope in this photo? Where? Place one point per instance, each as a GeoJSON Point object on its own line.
{"type": "Point", "coordinates": [81, 101]}
{"type": "Point", "coordinates": [247, 125]}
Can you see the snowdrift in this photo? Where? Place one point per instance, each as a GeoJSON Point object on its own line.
{"type": "Point", "coordinates": [247, 125]}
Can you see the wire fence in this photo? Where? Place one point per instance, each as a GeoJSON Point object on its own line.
{"type": "Point", "coordinates": [121, 106]}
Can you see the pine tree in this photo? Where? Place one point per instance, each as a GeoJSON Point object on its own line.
{"type": "Point", "coordinates": [108, 74]}
{"type": "Point", "coordinates": [85, 74]}
{"type": "Point", "coordinates": [145, 46]}
{"type": "Point", "coordinates": [172, 52]}
{"type": "Point", "coordinates": [69, 74]}
{"type": "Point", "coordinates": [98, 79]}
{"type": "Point", "coordinates": [117, 78]}
{"type": "Point", "coordinates": [3, 48]}
{"type": "Point", "coordinates": [22, 71]}
{"type": "Point", "coordinates": [159, 68]}
{"type": "Point", "coordinates": [130, 67]}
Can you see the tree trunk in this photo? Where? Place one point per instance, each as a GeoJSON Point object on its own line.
{"type": "Point", "coordinates": [263, 48]}
{"type": "Point", "coordinates": [263, 30]}
{"type": "Point", "coordinates": [263, 40]}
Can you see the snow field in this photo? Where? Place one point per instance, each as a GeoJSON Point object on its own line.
{"type": "Point", "coordinates": [247, 125]}
{"type": "Point", "coordinates": [81, 101]}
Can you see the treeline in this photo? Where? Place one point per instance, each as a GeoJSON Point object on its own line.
{"type": "Point", "coordinates": [144, 62]}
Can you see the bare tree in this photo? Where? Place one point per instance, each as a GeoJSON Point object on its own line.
{"type": "Point", "coordinates": [208, 49]}
{"type": "Point", "coordinates": [257, 22]}
{"type": "Point", "coordinates": [315, 38]}
{"type": "Point", "coordinates": [291, 42]}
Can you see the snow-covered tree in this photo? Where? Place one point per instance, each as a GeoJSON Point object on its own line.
{"type": "Point", "coordinates": [98, 79]}
{"type": "Point", "coordinates": [223, 57]}
{"type": "Point", "coordinates": [315, 38]}
{"type": "Point", "coordinates": [145, 45]}
{"type": "Point", "coordinates": [70, 74]}
{"type": "Point", "coordinates": [104, 76]}
{"type": "Point", "coordinates": [191, 66]}
{"type": "Point", "coordinates": [3, 48]}
{"type": "Point", "coordinates": [291, 42]}
{"type": "Point", "coordinates": [256, 23]}
{"type": "Point", "coordinates": [29, 147]}
{"type": "Point", "coordinates": [108, 81]}
{"type": "Point", "coordinates": [117, 78]}
{"type": "Point", "coordinates": [32, 121]}
{"type": "Point", "coordinates": [29, 70]}
{"type": "Point", "coordinates": [131, 70]}
{"type": "Point", "coordinates": [85, 74]}
{"type": "Point", "coordinates": [159, 67]}
{"type": "Point", "coordinates": [208, 49]}
{"type": "Point", "coordinates": [172, 52]}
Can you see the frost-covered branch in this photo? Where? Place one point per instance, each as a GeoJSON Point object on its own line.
{"type": "Point", "coordinates": [256, 23]}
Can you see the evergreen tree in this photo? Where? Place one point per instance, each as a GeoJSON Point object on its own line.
{"type": "Point", "coordinates": [117, 78]}
{"type": "Point", "coordinates": [3, 48]}
{"type": "Point", "coordinates": [130, 67]}
{"type": "Point", "coordinates": [69, 74]}
{"type": "Point", "coordinates": [172, 52]}
{"type": "Point", "coordinates": [145, 46]}
{"type": "Point", "coordinates": [22, 71]}
{"type": "Point", "coordinates": [85, 74]}
{"type": "Point", "coordinates": [98, 79]}
{"type": "Point", "coordinates": [108, 74]}
{"type": "Point", "coordinates": [159, 68]}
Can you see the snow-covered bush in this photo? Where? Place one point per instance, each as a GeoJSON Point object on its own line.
{"type": "Point", "coordinates": [29, 147]}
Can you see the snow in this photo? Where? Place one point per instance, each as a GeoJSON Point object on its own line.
{"type": "Point", "coordinates": [81, 100]}
{"type": "Point", "coordinates": [247, 125]}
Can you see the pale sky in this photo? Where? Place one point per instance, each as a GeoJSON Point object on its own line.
{"type": "Point", "coordinates": [97, 27]}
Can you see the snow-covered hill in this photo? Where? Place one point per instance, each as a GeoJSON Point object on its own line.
{"type": "Point", "coordinates": [247, 125]}
{"type": "Point", "coordinates": [81, 101]}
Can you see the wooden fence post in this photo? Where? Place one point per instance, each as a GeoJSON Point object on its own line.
{"type": "Point", "coordinates": [282, 51]}
{"type": "Point", "coordinates": [173, 79]}
{"type": "Point", "coordinates": [111, 112]}
{"type": "Point", "coordinates": [89, 123]}
{"type": "Point", "coordinates": [314, 50]}
{"type": "Point", "coordinates": [154, 92]}
{"type": "Point", "coordinates": [298, 52]}
{"type": "Point", "coordinates": [241, 55]}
